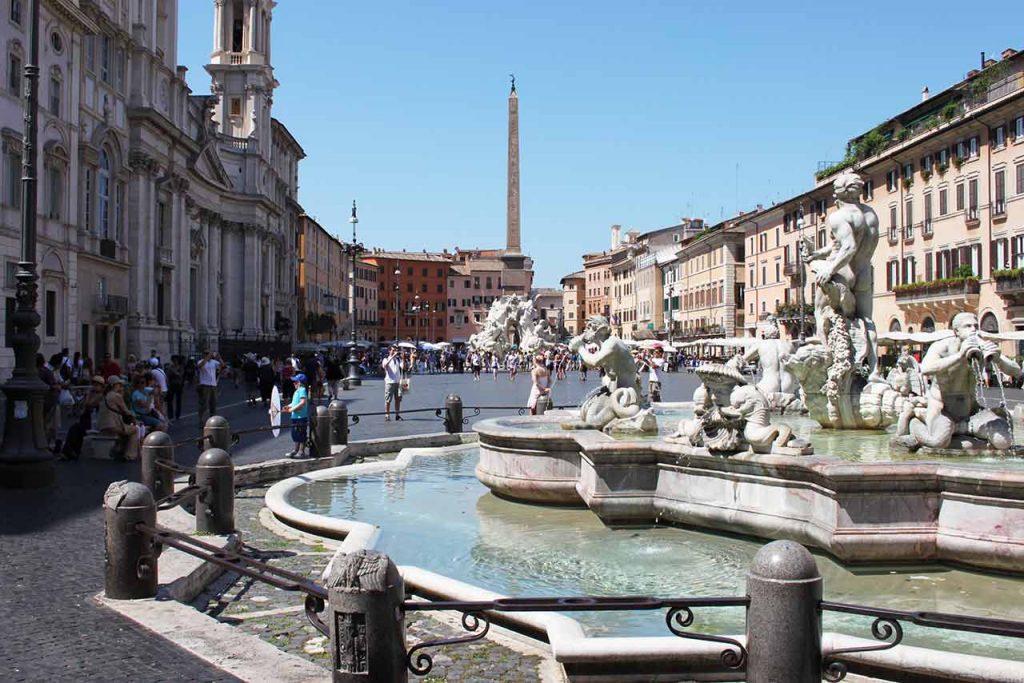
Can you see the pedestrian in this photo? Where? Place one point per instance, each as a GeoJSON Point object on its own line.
{"type": "Point", "coordinates": [250, 376]}
{"type": "Point", "coordinates": [209, 371]}
{"type": "Point", "coordinates": [76, 432]}
{"type": "Point", "coordinates": [110, 367]}
{"type": "Point", "coordinates": [175, 387]}
{"type": "Point", "coordinates": [392, 366]}
{"type": "Point", "coordinates": [299, 411]}
{"type": "Point", "coordinates": [654, 365]}
{"type": "Point", "coordinates": [115, 419]}
{"type": "Point", "coordinates": [267, 379]}
{"type": "Point", "coordinates": [541, 383]}
{"type": "Point", "coordinates": [333, 375]}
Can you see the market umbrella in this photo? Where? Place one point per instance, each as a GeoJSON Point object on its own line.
{"type": "Point", "coordinates": [406, 345]}
{"type": "Point", "coordinates": [651, 344]}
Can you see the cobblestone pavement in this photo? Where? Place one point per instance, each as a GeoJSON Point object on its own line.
{"type": "Point", "coordinates": [276, 616]}
{"type": "Point", "coordinates": [51, 542]}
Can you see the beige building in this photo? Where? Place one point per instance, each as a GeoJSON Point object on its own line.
{"type": "Point", "coordinates": [547, 303]}
{"type": "Point", "coordinates": [574, 302]}
{"type": "Point", "coordinates": [365, 305]}
{"type": "Point", "coordinates": [705, 284]}
{"type": "Point", "coordinates": [323, 284]}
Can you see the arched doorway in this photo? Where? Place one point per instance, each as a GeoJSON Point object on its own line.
{"type": "Point", "coordinates": [989, 323]}
{"type": "Point", "coordinates": [895, 326]}
{"type": "Point", "coordinates": [928, 325]}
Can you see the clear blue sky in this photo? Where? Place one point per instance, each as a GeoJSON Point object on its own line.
{"type": "Point", "coordinates": [635, 113]}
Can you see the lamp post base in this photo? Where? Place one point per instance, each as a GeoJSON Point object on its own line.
{"type": "Point", "coordinates": [23, 463]}
{"type": "Point", "coordinates": [353, 378]}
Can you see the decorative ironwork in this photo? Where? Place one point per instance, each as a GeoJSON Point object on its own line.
{"type": "Point", "coordinates": [886, 627]}
{"type": "Point", "coordinates": [679, 618]}
{"type": "Point", "coordinates": [314, 605]}
{"type": "Point", "coordinates": [476, 623]}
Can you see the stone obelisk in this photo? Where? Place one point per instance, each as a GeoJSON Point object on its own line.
{"type": "Point", "coordinates": [513, 245]}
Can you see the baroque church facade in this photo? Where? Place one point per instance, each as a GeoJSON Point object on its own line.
{"type": "Point", "coordinates": [167, 220]}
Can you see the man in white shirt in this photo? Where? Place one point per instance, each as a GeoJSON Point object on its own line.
{"type": "Point", "coordinates": [209, 369]}
{"type": "Point", "coordinates": [392, 366]}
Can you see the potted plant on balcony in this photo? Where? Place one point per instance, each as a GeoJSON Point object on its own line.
{"type": "Point", "coordinates": [908, 183]}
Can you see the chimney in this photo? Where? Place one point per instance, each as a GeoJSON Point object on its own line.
{"type": "Point", "coordinates": [1008, 52]}
{"type": "Point", "coordinates": [616, 236]}
{"type": "Point", "coordinates": [982, 59]}
{"type": "Point", "coordinates": [925, 93]}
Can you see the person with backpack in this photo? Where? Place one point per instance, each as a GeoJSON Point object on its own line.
{"type": "Point", "coordinates": [175, 387]}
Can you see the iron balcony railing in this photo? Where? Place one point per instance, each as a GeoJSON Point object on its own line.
{"type": "Point", "coordinates": [112, 304]}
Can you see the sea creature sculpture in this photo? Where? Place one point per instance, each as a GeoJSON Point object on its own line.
{"type": "Point", "coordinates": [512, 323]}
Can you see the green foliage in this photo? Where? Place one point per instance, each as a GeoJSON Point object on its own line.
{"type": "Point", "coordinates": [950, 111]}
{"type": "Point", "coordinates": [1007, 273]}
{"type": "Point", "coordinates": [940, 285]}
{"type": "Point", "coordinates": [792, 310]}
{"type": "Point", "coordinates": [873, 142]}
{"type": "Point", "coordinates": [963, 271]}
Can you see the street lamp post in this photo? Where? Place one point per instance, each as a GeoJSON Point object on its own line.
{"type": "Point", "coordinates": [398, 294]}
{"type": "Point", "coordinates": [25, 461]}
{"type": "Point", "coordinates": [353, 251]}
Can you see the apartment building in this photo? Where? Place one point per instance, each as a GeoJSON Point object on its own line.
{"type": "Point", "coordinates": [704, 286]}
{"type": "Point", "coordinates": [365, 303]}
{"type": "Point", "coordinates": [411, 294]}
{"type": "Point", "coordinates": [574, 302]}
{"type": "Point", "coordinates": [946, 178]}
{"type": "Point", "coordinates": [547, 303]}
{"type": "Point", "coordinates": [472, 288]}
{"type": "Point", "coordinates": [322, 283]}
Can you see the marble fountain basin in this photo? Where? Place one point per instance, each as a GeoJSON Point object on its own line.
{"type": "Point", "coordinates": [854, 498]}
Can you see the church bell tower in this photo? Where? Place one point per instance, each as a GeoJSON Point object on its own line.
{"type": "Point", "coordinates": [240, 69]}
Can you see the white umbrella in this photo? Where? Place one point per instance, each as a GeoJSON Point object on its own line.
{"type": "Point", "coordinates": [651, 344]}
{"type": "Point", "coordinates": [406, 345]}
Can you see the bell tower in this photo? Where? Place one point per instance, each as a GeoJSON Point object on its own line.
{"type": "Point", "coordinates": [240, 69]}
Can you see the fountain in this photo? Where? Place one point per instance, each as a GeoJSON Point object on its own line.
{"type": "Point", "coordinates": [512, 323]}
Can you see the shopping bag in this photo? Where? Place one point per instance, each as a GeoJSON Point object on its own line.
{"type": "Point", "coordinates": [65, 398]}
{"type": "Point", "coordinates": [406, 385]}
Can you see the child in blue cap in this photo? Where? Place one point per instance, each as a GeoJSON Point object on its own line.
{"type": "Point", "coordinates": [299, 410]}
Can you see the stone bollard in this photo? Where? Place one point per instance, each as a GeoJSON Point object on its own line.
{"type": "Point", "coordinates": [453, 414]}
{"type": "Point", "coordinates": [338, 418]}
{"type": "Point", "coordinates": [215, 507]}
{"type": "Point", "coordinates": [783, 621]}
{"type": "Point", "coordinates": [320, 433]}
{"type": "Point", "coordinates": [543, 404]}
{"type": "Point", "coordinates": [130, 565]}
{"type": "Point", "coordinates": [156, 449]}
{"type": "Point", "coordinates": [217, 433]}
{"type": "Point", "coordinates": [366, 620]}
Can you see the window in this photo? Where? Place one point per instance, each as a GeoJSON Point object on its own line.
{"type": "Point", "coordinates": [999, 136]}
{"type": "Point", "coordinates": [908, 270]}
{"type": "Point", "coordinates": [943, 158]}
{"type": "Point", "coordinates": [1020, 178]}
{"type": "Point", "coordinates": [890, 180]}
{"type": "Point", "coordinates": [12, 174]}
{"type": "Point", "coordinates": [105, 59]}
{"type": "Point", "coordinates": [424, 272]}
{"type": "Point", "coordinates": [14, 74]}
{"type": "Point", "coordinates": [1000, 183]}
{"type": "Point", "coordinates": [90, 53]}
{"type": "Point", "coordinates": [57, 43]}
{"type": "Point", "coordinates": [943, 202]}
{"type": "Point", "coordinates": [908, 217]}
{"type": "Point", "coordinates": [55, 96]}
{"type": "Point", "coordinates": [103, 196]}
{"type": "Point", "coordinates": [50, 313]}
{"type": "Point", "coordinates": [972, 199]}
{"type": "Point", "coordinates": [928, 214]}
{"type": "Point", "coordinates": [16, 11]}
{"type": "Point", "coordinates": [972, 147]}
{"type": "Point", "coordinates": [778, 276]}
{"type": "Point", "coordinates": [908, 171]}
{"type": "Point", "coordinates": [926, 164]}
{"type": "Point", "coordinates": [960, 197]}
{"type": "Point", "coordinates": [1018, 128]}
{"type": "Point", "coordinates": [892, 274]}
{"type": "Point", "coordinates": [893, 223]}
{"type": "Point", "coordinates": [54, 192]}
{"type": "Point", "coordinates": [236, 106]}
{"type": "Point", "coordinates": [869, 190]}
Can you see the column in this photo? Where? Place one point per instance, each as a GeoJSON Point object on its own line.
{"type": "Point", "coordinates": [248, 25]}
{"type": "Point", "coordinates": [218, 25]}
{"type": "Point", "coordinates": [212, 276]}
{"type": "Point", "coordinates": [252, 285]}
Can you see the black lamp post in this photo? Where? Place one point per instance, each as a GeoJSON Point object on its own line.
{"type": "Point", "coordinates": [353, 250]}
{"type": "Point", "coordinates": [25, 461]}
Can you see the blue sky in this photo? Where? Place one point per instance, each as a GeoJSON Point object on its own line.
{"type": "Point", "coordinates": [634, 113]}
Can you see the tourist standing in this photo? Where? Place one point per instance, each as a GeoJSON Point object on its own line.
{"type": "Point", "coordinates": [209, 372]}
{"type": "Point", "coordinates": [654, 366]}
{"type": "Point", "coordinates": [175, 386]}
{"type": "Point", "coordinates": [250, 376]}
{"type": "Point", "coordinates": [333, 375]}
{"type": "Point", "coordinates": [392, 366]}
{"type": "Point", "coordinates": [541, 383]}
{"type": "Point", "coordinates": [267, 379]}
{"type": "Point", "coordinates": [299, 410]}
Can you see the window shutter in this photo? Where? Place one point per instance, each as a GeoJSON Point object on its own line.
{"type": "Point", "coordinates": [928, 266]}
{"type": "Point", "coordinates": [992, 258]}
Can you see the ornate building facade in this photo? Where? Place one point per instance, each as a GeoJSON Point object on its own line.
{"type": "Point", "coordinates": [168, 221]}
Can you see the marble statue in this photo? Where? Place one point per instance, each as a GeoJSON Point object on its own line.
{"type": "Point", "coordinates": [512, 323]}
{"type": "Point", "coordinates": [777, 383]}
{"type": "Point", "coordinates": [873, 405]}
{"type": "Point", "coordinates": [732, 416]}
{"type": "Point", "coordinates": [843, 313]}
{"type": "Point", "coordinates": [954, 416]}
{"type": "Point", "coordinates": [618, 405]}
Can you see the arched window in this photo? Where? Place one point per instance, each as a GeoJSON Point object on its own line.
{"type": "Point", "coordinates": [989, 323]}
{"type": "Point", "coordinates": [928, 325]}
{"type": "Point", "coordinates": [895, 326]}
{"type": "Point", "coordinates": [103, 196]}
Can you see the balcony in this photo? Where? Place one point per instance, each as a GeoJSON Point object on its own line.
{"type": "Point", "coordinates": [908, 233]}
{"type": "Point", "coordinates": [972, 217]}
{"type": "Point", "coordinates": [237, 144]}
{"type": "Point", "coordinates": [940, 295]}
{"type": "Point", "coordinates": [928, 229]}
{"type": "Point", "coordinates": [999, 210]}
{"type": "Point", "coordinates": [704, 331]}
{"type": "Point", "coordinates": [1010, 285]}
{"type": "Point", "coordinates": [111, 306]}
{"type": "Point", "coordinates": [894, 235]}
{"type": "Point", "coordinates": [792, 269]}
{"type": "Point", "coordinates": [108, 248]}
{"type": "Point", "coordinates": [165, 256]}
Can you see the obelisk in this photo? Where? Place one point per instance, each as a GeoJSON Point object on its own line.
{"type": "Point", "coordinates": [512, 241]}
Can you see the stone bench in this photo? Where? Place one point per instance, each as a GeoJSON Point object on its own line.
{"type": "Point", "coordinates": [98, 445]}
